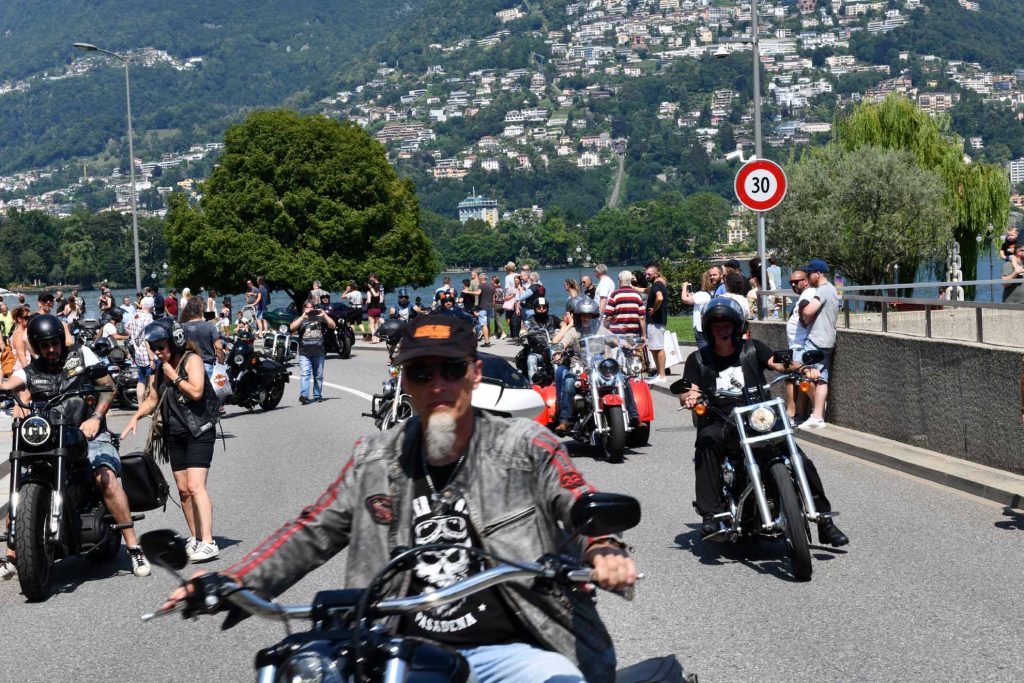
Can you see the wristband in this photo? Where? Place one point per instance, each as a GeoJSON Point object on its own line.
{"type": "Point", "coordinates": [178, 380]}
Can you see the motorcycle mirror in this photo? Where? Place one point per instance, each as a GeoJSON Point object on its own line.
{"type": "Point", "coordinates": [165, 548]}
{"type": "Point", "coordinates": [602, 514]}
{"type": "Point", "coordinates": [117, 354]}
{"type": "Point", "coordinates": [97, 371]}
{"type": "Point", "coordinates": [813, 357]}
{"type": "Point", "coordinates": [783, 357]}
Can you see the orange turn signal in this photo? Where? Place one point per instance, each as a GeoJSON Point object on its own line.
{"type": "Point", "coordinates": [805, 386]}
{"type": "Point", "coordinates": [700, 409]}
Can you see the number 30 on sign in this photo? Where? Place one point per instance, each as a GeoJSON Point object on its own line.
{"type": "Point", "coordinates": [760, 185]}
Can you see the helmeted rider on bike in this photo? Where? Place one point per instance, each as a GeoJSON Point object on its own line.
{"type": "Point", "coordinates": [589, 325]}
{"type": "Point", "coordinates": [542, 318]}
{"type": "Point", "coordinates": [59, 368]}
{"type": "Point", "coordinates": [730, 362]}
{"type": "Point", "coordinates": [455, 475]}
{"type": "Point", "coordinates": [404, 310]}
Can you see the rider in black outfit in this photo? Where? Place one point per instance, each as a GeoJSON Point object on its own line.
{"type": "Point", "coordinates": [729, 361]}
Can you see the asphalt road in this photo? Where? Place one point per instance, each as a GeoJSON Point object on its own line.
{"type": "Point", "coordinates": [929, 588]}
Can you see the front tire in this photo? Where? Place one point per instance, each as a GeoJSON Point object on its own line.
{"type": "Point", "coordinates": [794, 523]}
{"type": "Point", "coordinates": [127, 397]}
{"type": "Point", "coordinates": [345, 346]}
{"type": "Point", "coordinates": [273, 397]}
{"type": "Point", "coordinates": [34, 559]}
{"type": "Point", "coordinates": [403, 413]}
{"type": "Point", "coordinates": [615, 439]}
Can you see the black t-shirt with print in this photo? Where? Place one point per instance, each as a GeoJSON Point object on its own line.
{"type": "Point", "coordinates": [311, 338]}
{"type": "Point", "coordinates": [481, 619]}
{"type": "Point", "coordinates": [660, 316]}
{"type": "Point", "coordinates": [728, 374]}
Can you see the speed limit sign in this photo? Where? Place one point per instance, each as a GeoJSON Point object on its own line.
{"type": "Point", "coordinates": [760, 185]}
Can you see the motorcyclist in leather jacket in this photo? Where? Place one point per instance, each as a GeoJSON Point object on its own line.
{"type": "Point", "coordinates": [541, 318]}
{"type": "Point", "coordinates": [58, 368]}
{"type": "Point", "coordinates": [724, 362]}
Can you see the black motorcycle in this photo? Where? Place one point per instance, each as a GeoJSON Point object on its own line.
{"type": "Point", "coordinates": [352, 635]}
{"type": "Point", "coordinates": [255, 380]}
{"type": "Point", "coordinates": [56, 511]}
{"type": "Point", "coordinates": [342, 337]}
{"type": "Point", "coordinates": [84, 330]}
{"type": "Point", "coordinates": [536, 339]}
{"type": "Point", "coordinates": [125, 376]}
{"type": "Point", "coordinates": [390, 406]}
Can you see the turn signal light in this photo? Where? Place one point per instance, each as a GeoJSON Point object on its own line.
{"type": "Point", "coordinates": [700, 409]}
{"type": "Point", "coordinates": [805, 386]}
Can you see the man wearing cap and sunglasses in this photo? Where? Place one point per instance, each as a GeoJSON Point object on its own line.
{"type": "Point", "coordinates": [819, 316]}
{"type": "Point", "coordinates": [455, 473]}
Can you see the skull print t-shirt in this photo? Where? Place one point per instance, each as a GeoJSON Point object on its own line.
{"type": "Point", "coordinates": [481, 619]}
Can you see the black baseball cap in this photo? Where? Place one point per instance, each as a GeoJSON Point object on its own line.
{"type": "Point", "coordinates": [438, 335]}
{"type": "Point", "coordinates": [732, 263]}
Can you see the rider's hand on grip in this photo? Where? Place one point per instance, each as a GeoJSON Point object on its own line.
{"type": "Point", "coordinates": [614, 570]}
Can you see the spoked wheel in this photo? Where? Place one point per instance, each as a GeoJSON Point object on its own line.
{"type": "Point", "coordinates": [34, 557]}
{"type": "Point", "coordinates": [403, 413]}
{"type": "Point", "coordinates": [615, 440]}
{"type": "Point", "coordinates": [794, 525]}
{"type": "Point", "coordinates": [273, 397]}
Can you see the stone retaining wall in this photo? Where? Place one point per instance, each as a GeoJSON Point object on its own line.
{"type": "Point", "coordinates": [958, 398]}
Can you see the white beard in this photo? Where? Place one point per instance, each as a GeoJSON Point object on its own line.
{"type": "Point", "coordinates": [440, 438]}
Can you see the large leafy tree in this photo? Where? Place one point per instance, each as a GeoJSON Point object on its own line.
{"type": "Point", "coordinates": [864, 211]}
{"type": "Point", "coordinates": [977, 195]}
{"type": "Point", "coordinates": [297, 199]}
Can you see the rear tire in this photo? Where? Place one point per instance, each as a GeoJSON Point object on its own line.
{"type": "Point", "coordinates": [273, 397]}
{"type": "Point", "coordinates": [615, 439]}
{"type": "Point", "coordinates": [34, 559]}
{"type": "Point", "coordinates": [794, 523]}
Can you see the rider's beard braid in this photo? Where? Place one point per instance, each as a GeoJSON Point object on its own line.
{"type": "Point", "coordinates": [440, 437]}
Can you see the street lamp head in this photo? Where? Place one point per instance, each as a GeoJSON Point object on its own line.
{"type": "Point", "coordinates": [86, 46]}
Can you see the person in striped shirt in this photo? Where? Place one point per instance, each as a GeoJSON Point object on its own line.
{"type": "Point", "coordinates": [624, 313]}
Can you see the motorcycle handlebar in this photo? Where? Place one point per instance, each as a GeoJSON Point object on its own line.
{"type": "Point", "coordinates": [253, 604]}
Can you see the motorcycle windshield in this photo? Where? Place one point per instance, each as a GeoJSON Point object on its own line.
{"type": "Point", "coordinates": [598, 347]}
{"type": "Point", "coordinates": [499, 371]}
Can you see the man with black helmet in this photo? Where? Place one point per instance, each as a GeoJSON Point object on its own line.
{"type": "Point", "coordinates": [541, 318]}
{"type": "Point", "coordinates": [404, 311]}
{"type": "Point", "coordinates": [58, 368]}
{"type": "Point", "coordinates": [730, 362]}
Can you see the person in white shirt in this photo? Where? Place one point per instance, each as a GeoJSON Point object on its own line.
{"type": "Point", "coordinates": [797, 403]}
{"type": "Point", "coordinates": [699, 299]}
{"type": "Point", "coordinates": [605, 286]}
{"type": "Point", "coordinates": [510, 276]}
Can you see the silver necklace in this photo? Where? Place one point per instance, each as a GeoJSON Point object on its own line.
{"type": "Point", "coordinates": [434, 494]}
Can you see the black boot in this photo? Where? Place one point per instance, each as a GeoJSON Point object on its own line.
{"type": "Point", "coordinates": [712, 529]}
{"type": "Point", "coordinates": [829, 534]}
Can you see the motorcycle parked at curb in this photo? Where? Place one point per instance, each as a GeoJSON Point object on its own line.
{"type": "Point", "coordinates": [56, 510]}
{"type": "Point", "coordinates": [768, 469]}
{"type": "Point", "coordinates": [280, 346]}
{"type": "Point", "coordinates": [255, 381]}
{"type": "Point", "coordinates": [351, 636]}
{"type": "Point", "coordinates": [599, 416]}
{"type": "Point", "coordinates": [341, 339]}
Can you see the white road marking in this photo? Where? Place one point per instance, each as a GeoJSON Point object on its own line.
{"type": "Point", "coordinates": [350, 390]}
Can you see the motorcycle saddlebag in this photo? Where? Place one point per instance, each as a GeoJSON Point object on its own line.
{"type": "Point", "coordinates": [143, 482]}
{"type": "Point", "coordinates": [644, 402]}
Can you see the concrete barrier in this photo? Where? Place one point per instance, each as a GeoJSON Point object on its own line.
{"type": "Point", "coordinates": [957, 398]}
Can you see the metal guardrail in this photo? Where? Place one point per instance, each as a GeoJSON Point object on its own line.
{"type": "Point", "coordinates": [849, 302]}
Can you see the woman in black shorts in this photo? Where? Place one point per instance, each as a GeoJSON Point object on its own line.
{"type": "Point", "coordinates": [188, 409]}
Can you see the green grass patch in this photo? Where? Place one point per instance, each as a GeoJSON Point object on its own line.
{"type": "Point", "coordinates": [682, 325]}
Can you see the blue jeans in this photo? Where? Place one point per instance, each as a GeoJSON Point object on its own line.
{"type": "Point", "coordinates": [565, 388]}
{"type": "Point", "coordinates": [519, 663]}
{"type": "Point", "coordinates": [311, 365]}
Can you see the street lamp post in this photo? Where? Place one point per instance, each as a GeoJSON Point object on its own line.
{"type": "Point", "coordinates": [131, 156]}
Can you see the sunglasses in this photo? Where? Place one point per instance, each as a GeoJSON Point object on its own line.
{"type": "Point", "coordinates": [451, 370]}
{"type": "Point", "coordinates": [796, 282]}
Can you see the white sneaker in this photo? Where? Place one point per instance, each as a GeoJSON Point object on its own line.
{"type": "Point", "coordinates": [140, 565]}
{"type": "Point", "coordinates": [191, 546]}
{"type": "Point", "coordinates": [812, 423]}
{"type": "Point", "coordinates": [7, 569]}
{"type": "Point", "coordinates": [205, 552]}
{"type": "Point", "coordinates": [658, 380]}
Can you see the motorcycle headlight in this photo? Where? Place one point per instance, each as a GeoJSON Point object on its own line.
{"type": "Point", "coordinates": [238, 359]}
{"type": "Point", "coordinates": [608, 368]}
{"type": "Point", "coordinates": [762, 419]}
{"type": "Point", "coordinates": [309, 667]}
{"type": "Point", "coordinates": [283, 329]}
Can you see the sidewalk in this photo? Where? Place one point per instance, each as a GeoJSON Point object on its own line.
{"type": "Point", "coordinates": [1000, 486]}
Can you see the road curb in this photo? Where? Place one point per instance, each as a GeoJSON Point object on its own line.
{"type": "Point", "coordinates": [1005, 488]}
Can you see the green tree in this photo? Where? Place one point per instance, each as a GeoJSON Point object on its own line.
{"type": "Point", "coordinates": [297, 199]}
{"type": "Point", "coordinates": [863, 211]}
{"type": "Point", "coordinates": [977, 195]}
